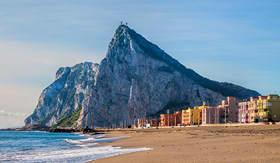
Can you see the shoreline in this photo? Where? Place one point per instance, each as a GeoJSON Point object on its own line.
{"type": "Point", "coordinates": [239, 143]}
{"type": "Point", "coordinates": [212, 143]}
{"type": "Point", "coordinates": [103, 130]}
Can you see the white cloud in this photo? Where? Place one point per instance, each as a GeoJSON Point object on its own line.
{"type": "Point", "coordinates": [11, 119]}
{"type": "Point", "coordinates": [17, 98]}
{"type": "Point", "coordinates": [12, 114]}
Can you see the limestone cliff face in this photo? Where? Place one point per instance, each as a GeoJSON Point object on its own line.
{"type": "Point", "coordinates": [134, 80]}
{"type": "Point", "coordinates": [137, 79]}
{"type": "Point", "coordinates": [65, 95]}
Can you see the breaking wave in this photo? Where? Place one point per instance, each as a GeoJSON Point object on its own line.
{"type": "Point", "coordinates": [48, 147]}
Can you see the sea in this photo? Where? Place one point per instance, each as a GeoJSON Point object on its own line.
{"type": "Point", "coordinates": [30, 146]}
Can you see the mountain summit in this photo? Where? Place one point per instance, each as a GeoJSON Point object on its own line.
{"type": "Point", "coordinates": [135, 79]}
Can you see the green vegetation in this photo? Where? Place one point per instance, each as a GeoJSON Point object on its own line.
{"type": "Point", "coordinates": [69, 120]}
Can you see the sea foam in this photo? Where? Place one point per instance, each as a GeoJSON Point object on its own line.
{"type": "Point", "coordinates": [76, 155]}
{"type": "Point", "coordinates": [59, 147]}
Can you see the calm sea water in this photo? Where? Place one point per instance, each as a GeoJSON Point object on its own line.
{"type": "Point", "coordinates": [25, 146]}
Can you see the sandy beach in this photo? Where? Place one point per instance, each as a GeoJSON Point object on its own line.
{"type": "Point", "coordinates": [252, 143]}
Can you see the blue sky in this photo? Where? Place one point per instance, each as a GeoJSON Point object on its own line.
{"type": "Point", "coordinates": [235, 41]}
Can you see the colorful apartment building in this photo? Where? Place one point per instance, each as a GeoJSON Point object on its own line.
{"type": "Point", "coordinates": [177, 118]}
{"type": "Point", "coordinates": [191, 116]}
{"type": "Point", "coordinates": [262, 113]}
{"type": "Point", "coordinates": [243, 112]}
{"type": "Point", "coordinates": [187, 117]}
{"type": "Point", "coordinates": [269, 108]}
{"type": "Point", "coordinates": [227, 112]}
{"type": "Point", "coordinates": [230, 107]}
{"type": "Point", "coordinates": [164, 120]}
{"type": "Point", "coordinates": [197, 115]}
{"type": "Point", "coordinates": [252, 110]}
{"type": "Point", "coordinates": [142, 122]}
{"type": "Point", "coordinates": [261, 109]}
{"type": "Point", "coordinates": [174, 119]}
{"type": "Point", "coordinates": [211, 115]}
{"type": "Point", "coordinates": [248, 111]}
{"type": "Point", "coordinates": [152, 123]}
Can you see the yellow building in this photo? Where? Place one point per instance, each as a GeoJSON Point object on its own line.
{"type": "Point", "coordinates": [197, 115]}
{"type": "Point", "coordinates": [187, 116]}
{"type": "Point", "coordinates": [261, 114]}
{"type": "Point", "coordinates": [270, 110]}
{"type": "Point", "coordinates": [192, 116]}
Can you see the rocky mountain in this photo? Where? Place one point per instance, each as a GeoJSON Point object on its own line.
{"type": "Point", "coordinates": [135, 79]}
{"type": "Point", "coordinates": [65, 95]}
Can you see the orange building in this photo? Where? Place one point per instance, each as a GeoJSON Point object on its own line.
{"type": "Point", "coordinates": [164, 118]}
{"type": "Point", "coordinates": [174, 119]}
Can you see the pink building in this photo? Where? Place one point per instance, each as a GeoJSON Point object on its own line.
{"type": "Point", "coordinates": [211, 115]}
{"type": "Point", "coordinates": [230, 110]}
{"type": "Point", "coordinates": [227, 112]}
{"type": "Point", "coordinates": [243, 112]}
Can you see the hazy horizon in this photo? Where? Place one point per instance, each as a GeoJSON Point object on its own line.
{"type": "Point", "coordinates": [232, 41]}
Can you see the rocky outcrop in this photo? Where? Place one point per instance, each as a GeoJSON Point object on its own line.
{"type": "Point", "coordinates": [138, 79]}
{"type": "Point", "coordinates": [65, 95]}
{"type": "Point", "coordinates": [135, 79]}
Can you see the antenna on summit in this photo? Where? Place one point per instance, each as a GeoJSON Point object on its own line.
{"type": "Point", "coordinates": [121, 22]}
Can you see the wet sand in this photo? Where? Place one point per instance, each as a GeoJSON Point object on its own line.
{"type": "Point", "coordinates": [254, 143]}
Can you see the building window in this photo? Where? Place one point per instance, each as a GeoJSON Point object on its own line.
{"type": "Point", "coordinates": [267, 104]}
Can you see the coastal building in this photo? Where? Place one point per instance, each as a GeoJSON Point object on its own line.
{"type": "Point", "coordinates": [174, 119]}
{"type": "Point", "coordinates": [196, 116]}
{"type": "Point", "coordinates": [272, 104]}
{"type": "Point", "coordinates": [177, 117]}
{"type": "Point", "coordinates": [269, 108]}
{"type": "Point", "coordinates": [164, 120]}
{"type": "Point", "coordinates": [243, 112]}
{"type": "Point", "coordinates": [210, 115]}
{"type": "Point", "coordinates": [141, 122]}
{"type": "Point", "coordinates": [186, 117]}
{"type": "Point", "coordinates": [227, 112]}
{"type": "Point", "coordinates": [262, 111]}
{"type": "Point", "coordinates": [154, 122]}
{"type": "Point", "coordinates": [191, 116]}
{"type": "Point", "coordinates": [252, 110]}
